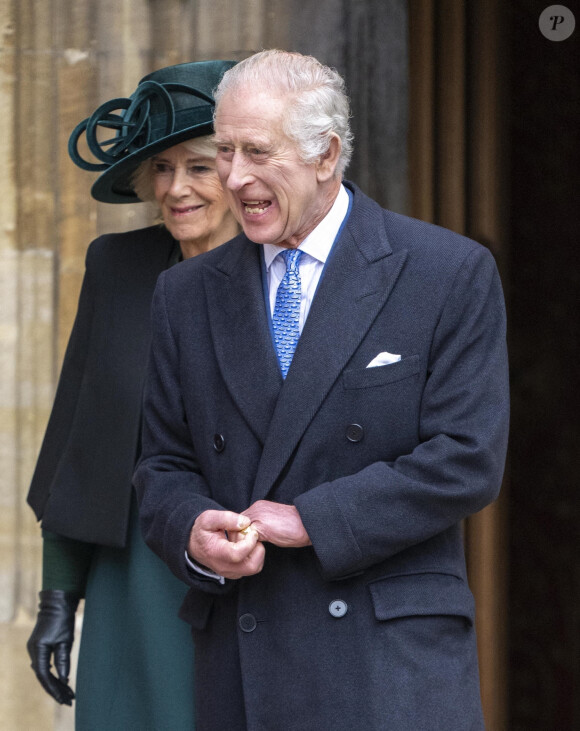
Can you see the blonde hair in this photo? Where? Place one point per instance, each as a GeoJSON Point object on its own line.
{"type": "Point", "coordinates": [142, 179]}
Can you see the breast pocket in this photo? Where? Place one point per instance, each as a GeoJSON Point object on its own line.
{"type": "Point", "coordinates": [381, 375]}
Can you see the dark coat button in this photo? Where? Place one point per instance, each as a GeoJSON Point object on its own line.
{"type": "Point", "coordinates": [338, 608]}
{"type": "Point", "coordinates": [354, 432]}
{"type": "Point", "coordinates": [247, 622]}
{"type": "Point", "coordinates": [218, 442]}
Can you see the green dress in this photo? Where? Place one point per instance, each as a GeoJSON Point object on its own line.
{"type": "Point", "coordinates": [136, 656]}
{"type": "Point", "coordinates": [135, 667]}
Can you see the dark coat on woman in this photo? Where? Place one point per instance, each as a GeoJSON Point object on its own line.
{"type": "Point", "coordinates": [81, 486]}
{"type": "Point", "coordinates": [82, 490]}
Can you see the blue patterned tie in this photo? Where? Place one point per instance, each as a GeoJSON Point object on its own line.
{"type": "Point", "coordinates": [286, 317]}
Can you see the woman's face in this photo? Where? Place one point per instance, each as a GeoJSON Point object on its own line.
{"type": "Point", "coordinates": [193, 206]}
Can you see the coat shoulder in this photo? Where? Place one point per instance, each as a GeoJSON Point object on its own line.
{"type": "Point", "coordinates": [146, 245]}
{"type": "Point", "coordinates": [439, 258]}
{"type": "Point", "coordinates": [427, 244]}
{"type": "Point", "coordinates": [428, 238]}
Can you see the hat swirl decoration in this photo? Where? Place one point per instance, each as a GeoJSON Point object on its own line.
{"type": "Point", "coordinates": [130, 125]}
{"type": "Point", "coordinates": [169, 106]}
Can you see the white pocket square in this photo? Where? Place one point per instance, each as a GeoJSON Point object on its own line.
{"type": "Point", "coordinates": [384, 359]}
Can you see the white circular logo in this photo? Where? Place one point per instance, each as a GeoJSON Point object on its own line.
{"type": "Point", "coordinates": [557, 23]}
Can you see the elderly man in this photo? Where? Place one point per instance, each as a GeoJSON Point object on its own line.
{"type": "Point", "coordinates": [327, 401]}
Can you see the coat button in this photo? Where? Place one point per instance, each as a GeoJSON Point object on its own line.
{"type": "Point", "coordinates": [354, 432]}
{"type": "Point", "coordinates": [247, 622]}
{"type": "Point", "coordinates": [218, 442]}
{"type": "Point", "coordinates": [338, 608]}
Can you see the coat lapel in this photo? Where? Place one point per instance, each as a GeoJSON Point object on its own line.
{"type": "Point", "coordinates": [240, 332]}
{"type": "Point", "coordinates": [358, 279]}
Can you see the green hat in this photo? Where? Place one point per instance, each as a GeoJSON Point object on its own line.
{"type": "Point", "coordinates": [169, 106]}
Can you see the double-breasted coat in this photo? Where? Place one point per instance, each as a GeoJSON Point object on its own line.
{"type": "Point", "coordinates": [372, 627]}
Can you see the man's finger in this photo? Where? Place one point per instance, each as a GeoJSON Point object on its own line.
{"type": "Point", "coordinates": [215, 520]}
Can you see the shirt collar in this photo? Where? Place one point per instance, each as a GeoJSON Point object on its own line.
{"type": "Point", "coordinates": [319, 242]}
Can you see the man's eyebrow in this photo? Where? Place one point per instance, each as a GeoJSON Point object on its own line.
{"type": "Point", "coordinates": [262, 144]}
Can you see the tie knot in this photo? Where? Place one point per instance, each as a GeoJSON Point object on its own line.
{"type": "Point", "coordinates": [291, 257]}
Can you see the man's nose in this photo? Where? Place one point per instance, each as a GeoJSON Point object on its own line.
{"type": "Point", "coordinates": [239, 173]}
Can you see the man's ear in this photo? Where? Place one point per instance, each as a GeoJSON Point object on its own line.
{"type": "Point", "coordinates": [327, 162]}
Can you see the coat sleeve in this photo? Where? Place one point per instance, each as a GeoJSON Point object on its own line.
{"type": "Point", "coordinates": [457, 466]}
{"type": "Point", "coordinates": [170, 488]}
{"type": "Point", "coordinates": [65, 563]}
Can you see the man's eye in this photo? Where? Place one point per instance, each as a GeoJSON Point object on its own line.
{"type": "Point", "coordinates": [224, 150]}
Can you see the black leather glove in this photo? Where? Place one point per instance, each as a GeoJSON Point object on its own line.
{"type": "Point", "coordinates": [53, 635]}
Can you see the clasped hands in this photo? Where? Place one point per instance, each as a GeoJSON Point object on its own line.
{"type": "Point", "coordinates": [232, 544]}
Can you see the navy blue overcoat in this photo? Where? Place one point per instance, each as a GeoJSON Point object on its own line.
{"type": "Point", "coordinates": [373, 626]}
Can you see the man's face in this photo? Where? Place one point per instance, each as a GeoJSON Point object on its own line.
{"type": "Point", "coordinates": [277, 198]}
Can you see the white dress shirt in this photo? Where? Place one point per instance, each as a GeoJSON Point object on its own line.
{"type": "Point", "coordinates": [316, 249]}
